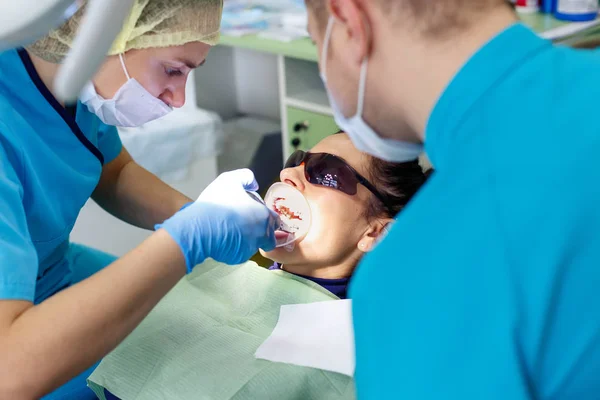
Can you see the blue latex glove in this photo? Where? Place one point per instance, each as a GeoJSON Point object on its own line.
{"type": "Point", "coordinates": [225, 223]}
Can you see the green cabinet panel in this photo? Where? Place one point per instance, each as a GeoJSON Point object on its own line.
{"type": "Point", "coordinates": [307, 128]}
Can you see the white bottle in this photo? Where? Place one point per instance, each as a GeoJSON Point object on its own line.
{"type": "Point", "coordinates": [576, 10]}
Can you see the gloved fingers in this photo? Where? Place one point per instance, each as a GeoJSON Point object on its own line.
{"type": "Point", "coordinates": [228, 185]}
{"type": "Point", "coordinates": [269, 242]}
{"type": "Point", "coordinates": [274, 219]}
{"type": "Point", "coordinates": [245, 177]}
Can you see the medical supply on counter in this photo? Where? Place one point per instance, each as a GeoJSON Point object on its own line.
{"type": "Point", "coordinates": [528, 6]}
{"type": "Point", "coordinates": [547, 6]}
{"type": "Point", "coordinates": [282, 20]}
{"type": "Point", "coordinates": [206, 228]}
{"type": "Point", "coordinates": [293, 209]}
{"type": "Point", "coordinates": [576, 10]}
{"type": "Point", "coordinates": [201, 339]}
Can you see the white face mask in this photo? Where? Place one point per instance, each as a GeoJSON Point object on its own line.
{"type": "Point", "coordinates": [362, 135]}
{"type": "Point", "coordinates": [131, 106]}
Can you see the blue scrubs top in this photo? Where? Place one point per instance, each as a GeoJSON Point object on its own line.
{"type": "Point", "coordinates": [492, 274]}
{"type": "Point", "coordinates": [50, 163]}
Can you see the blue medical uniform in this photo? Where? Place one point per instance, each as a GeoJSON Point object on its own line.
{"type": "Point", "coordinates": [492, 274]}
{"type": "Point", "coordinates": [50, 163]}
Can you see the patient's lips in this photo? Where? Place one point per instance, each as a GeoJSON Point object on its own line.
{"type": "Point", "coordinates": [279, 235]}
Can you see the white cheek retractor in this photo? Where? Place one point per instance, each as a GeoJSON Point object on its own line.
{"type": "Point", "coordinates": [294, 212]}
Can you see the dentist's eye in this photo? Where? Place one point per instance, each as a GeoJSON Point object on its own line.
{"type": "Point", "coordinates": [173, 72]}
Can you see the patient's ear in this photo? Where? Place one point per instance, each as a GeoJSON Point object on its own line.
{"type": "Point", "coordinates": [374, 234]}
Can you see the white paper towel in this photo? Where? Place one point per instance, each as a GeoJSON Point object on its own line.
{"type": "Point", "coordinates": [318, 335]}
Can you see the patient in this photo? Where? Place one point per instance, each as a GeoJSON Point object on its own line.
{"type": "Point", "coordinates": [348, 219]}
{"type": "Point", "coordinates": [199, 342]}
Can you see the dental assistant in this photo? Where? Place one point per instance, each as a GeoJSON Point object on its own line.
{"type": "Point", "coordinates": [492, 272]}
{"type": "Point", "coordinates": [63, 306]}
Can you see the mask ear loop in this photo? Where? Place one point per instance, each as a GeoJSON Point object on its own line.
{"type": "Point", "coordinates": [124, 67]}
{"type": "Point", "coordinates": [362, 85]}
{"type": "Point", "coordinates": [326, 48]}
{"type": "Point", "coordinates": [363, 70]}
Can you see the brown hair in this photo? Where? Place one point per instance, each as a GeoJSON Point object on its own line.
{"type": "Point", "coordinates": [397, 182]}
{"type": "Point", "coordinates": [439, 16]}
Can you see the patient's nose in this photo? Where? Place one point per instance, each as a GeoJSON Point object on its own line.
{"type": "Point", "coordinates": [293, 177]}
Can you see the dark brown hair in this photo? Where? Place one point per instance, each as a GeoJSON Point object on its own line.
{"type": "Point", "coordinates": [397, 182]}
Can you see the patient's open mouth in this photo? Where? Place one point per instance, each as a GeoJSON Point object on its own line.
{"type": "Point", "coordinates": [284, 211]}
{"type": "Point", "coordinates": [294, 213]}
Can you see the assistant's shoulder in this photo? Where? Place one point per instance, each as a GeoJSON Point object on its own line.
{"type": "Point", "coordinates": [10, 125]}
{"type": "Point", "coordinates": [13, 127]}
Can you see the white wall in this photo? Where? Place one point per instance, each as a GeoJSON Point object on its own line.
{"type": "Point", "coordinates": [239, 81]}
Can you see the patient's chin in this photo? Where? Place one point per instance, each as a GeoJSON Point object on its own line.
{"type": "Point", "coordinates": [265, 254]}
{"type": "Point", "coordinates": [280, 255]}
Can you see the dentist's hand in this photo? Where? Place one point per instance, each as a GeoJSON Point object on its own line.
{"type": "Point", "coordinates": [225, 223]}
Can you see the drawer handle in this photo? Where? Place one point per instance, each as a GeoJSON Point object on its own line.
{"type": "Point", "coordinates": [301, 126]}
{"type": "Point", "coordinates": [296, 143]}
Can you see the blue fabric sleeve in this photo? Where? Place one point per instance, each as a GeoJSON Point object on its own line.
{"type": "Point", "coordinates": [109, 142]}
{"type": "Point", "coordinates": [18, 257]}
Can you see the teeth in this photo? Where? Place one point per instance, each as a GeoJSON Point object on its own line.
{"type": "Point", "coordinates": [292, 208]}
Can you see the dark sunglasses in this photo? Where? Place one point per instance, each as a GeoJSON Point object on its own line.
{"type": "Point", "coordinates": [330, 171]}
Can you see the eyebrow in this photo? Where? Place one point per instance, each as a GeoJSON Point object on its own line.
{"type": "Point", "coordinates": [190, 64]}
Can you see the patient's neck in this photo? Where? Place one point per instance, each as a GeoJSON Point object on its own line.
{"type": "Point", "coordinates": [343, 270]}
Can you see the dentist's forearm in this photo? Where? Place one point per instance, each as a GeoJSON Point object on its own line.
{"type": "Point", "coordinates": [48, 344]}
{"type": "Point", "coordinates": [136, 196]}
{"type": "Point", "coordinates": [143, 200]}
